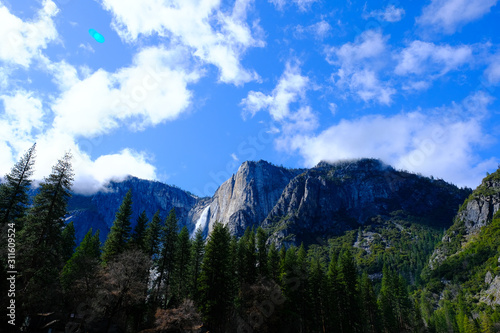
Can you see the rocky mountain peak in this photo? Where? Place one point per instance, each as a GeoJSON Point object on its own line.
{"type": "Point", "coordinates": [476, 212]}
{"type": "Point", "coordinates": [334, 197]}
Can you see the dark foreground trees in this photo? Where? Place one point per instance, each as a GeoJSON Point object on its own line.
{"type": "Point", "coordinates": [41, 251]}
{"type": "Point", "coordinates": [162, 277]}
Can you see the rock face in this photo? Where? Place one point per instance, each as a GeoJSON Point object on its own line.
{"type": "Point", "coordinates": [98, 211]}
{"type": "Point", "coordinates": [294, 204]}
{"type": "Point", "coordinates": [476, 212]}
{"type": "Point", "coordinates": [246, 198]}
{"type": "Point", "coordinates": [332, 198]}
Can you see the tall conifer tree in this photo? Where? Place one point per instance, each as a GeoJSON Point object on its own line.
{"type": "Point", "coordinates": [167, 259]}
{"type": "Point", "coordinates": [139, 235]}
{"type": "Point", "coordinates": [216, 286]}
{"type": "Point", "coordinates": [152, 238]}
{"type": "Point", "coordinates": [197, 254]}
{"type": "Point", "coordinates": [119, 235]}
{"type": "Point", "coordinates": [41, 253]}
{"type": "Point", "coordinates": [14, 198]}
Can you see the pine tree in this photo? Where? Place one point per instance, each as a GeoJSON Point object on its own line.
{"type": "Point", "coordinates": [387, 301]}
{"type": "Point", "coordinates": [486, 324]}
{"type": "Point", "coordinates": [183, 263]}
{"type": "Point", "coordinates": [262, 252]}
{"type": "Point", "coordinates": [41, 254]}
{"type": "Point", "coordinates": [303, 306]}
{"type": "Point", "coordinates": [82, 266]}
{"type": "Point", "coordinates": [152, 238]}
{"type": "Point", "coordinates": [349, 317]}
{"type": "Point", "coordinates": [317, 294]}
{"type": "Point", "coordinates": [69, 241]}
{"type": "Point", "coordinates": [167, 258]}
{"type": "Point", "coordinates": [404, 306]}
{"type": "Point", "coordinates": [119, 234]}
{"type": "Point", "coordinates": [14, 198]}
{"type": "Point", "coordinates": [139, 235]}
{"type": "Point", "coordinates": [198, 251]}
{"type": "Point", "coordinates": [371, 314]}
{"type": "Point", "coordinates": [247, 258]}
{"type": "Point", "coordinates": [216, 286]}
{"type": "Point", "coordinates": [334, 299]}
{"type": "Point", "coordinates": [273, 263]}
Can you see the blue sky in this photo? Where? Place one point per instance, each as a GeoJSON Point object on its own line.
{"type": "Point", "coordinates": [184, 91]}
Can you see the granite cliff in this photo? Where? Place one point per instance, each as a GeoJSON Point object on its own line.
{"type": "Point", "coordinates": [295, 205]}
{"type": "Point", "coordinates": [245, 199]}
{"type": "Point", "coordinates": [331, 198]}
{"type": "Point", "coordinates": [476, 212]}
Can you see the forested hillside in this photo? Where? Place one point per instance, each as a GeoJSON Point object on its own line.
{"type": "Point", "coordinates": [395, 272]}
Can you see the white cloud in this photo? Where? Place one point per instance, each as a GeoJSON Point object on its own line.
{"type": "Point", "coordinates": [448, 16]}
{"type": "Point", "coordinates": [492, 73]}
{"type": "Point", "coordinates": [234, 157]}
{"type": "Point", "coordinates": [320, 30]}
{"type": "Point", "coordinates": [21, 41]}
{"type": "Point", "coordinates": [440, 145]}
{"type": "Point", "coordinates": [333, 108]}
{"type": "Point", "coordinates": [214, 37]}
{"type": "Point", "coordinates": [94, 174]}
{"type": "Point", "coordinates": [23, 113]}
{"type": "Point", "coordinates": [422, 57]}
{"type": "Point", "coordinates": [151, 91]}
{"type": "Point", "coordinates": [87, 47]}
{"type": "Point", "coordinates": [359, 65]}
{"type": "Point", "coordinates": [90, 175]}
{"type": "Point", "coordinates": [390, 14]}
{"type": "Point", "coordinates": [290, 88]}
{"type": "Point", "coordinates": [303, 5]}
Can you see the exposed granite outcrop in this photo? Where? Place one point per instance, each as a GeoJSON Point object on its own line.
{"type": "Point", "coordinates": [331, 198]}
{"type": "Point", "coordinates": [476, 212]}
{"type": "Point", "coordinates": [245, 199]}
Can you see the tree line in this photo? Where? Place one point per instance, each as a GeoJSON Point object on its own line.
{"type": "Point", "coordinates": [155, 278]}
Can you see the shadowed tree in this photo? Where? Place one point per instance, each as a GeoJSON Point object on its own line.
{"type": "Point", "coordinates": [41, 253]}
{"type": "Point", "coordinates": [68, 241]}
{"type": "Point", "coordinates": [119, 234]}
{"type": "Point", "coordinates": [152, 238]}
{"type": "Point", "coordinates": [216, 280]}
{"type": "Point", "coordinates": [197, 254]}
{"type": "Point", "coordinates": [167, 259]}
{"type": "Point", "coordinates": [79, 275]}
{"type": "Point", "coordinates": [14, 198]}
{"type": "Point", "coordinates": [183, 259]}
{"type": "Point", "coordinates": [138, 239]}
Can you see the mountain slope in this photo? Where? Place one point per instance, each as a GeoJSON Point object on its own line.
{"type": "Point", "coordinates": [245, 199]}
{"type": "Point", "coordinates": [98, 211]}
{"type": "Point", "coordinates": [469, 253]}
{"type": "Point", "coordinates": [331, 198]}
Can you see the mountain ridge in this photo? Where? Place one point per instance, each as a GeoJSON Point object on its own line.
{"type": "Point", "coordinates": [260, 194]}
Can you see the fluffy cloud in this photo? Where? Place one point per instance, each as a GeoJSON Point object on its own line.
{"type": "Point", "coordinates": [319, 30]}
{"type": "Point", "coordinates": [290, 88]}
{"type": "Point", "coordinates": [390, 14]}
{"type": "Point", "coordinates": [303, 5]}
{"type": "Point", "coordinates": [449, 15]}
{"type": "Point", "coordinates": [492, 73]}
{"type": "Point", "coordinates": [424, 58]}
{"type": "Point", "coordinates": [151, 91]}
{"type": "Point", "coordinates": [21, 41]}
{"type": "Point", "coordinates": [214, 37]}
{"type": "Point", "coordinates": [442, 145]}
{"type": "Point", "coordinates": [359, 64]}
